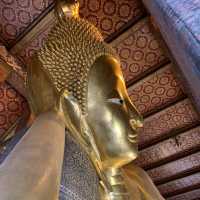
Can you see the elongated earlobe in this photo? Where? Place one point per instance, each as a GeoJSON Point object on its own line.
{"type": "Point", "coordinates": [70, 111]}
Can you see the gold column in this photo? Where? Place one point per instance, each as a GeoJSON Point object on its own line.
{"type": "Point", "coordinates": [32, 171]}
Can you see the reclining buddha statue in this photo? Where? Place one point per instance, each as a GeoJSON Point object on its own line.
{"type": "Point", "coordinates": [75, 82]}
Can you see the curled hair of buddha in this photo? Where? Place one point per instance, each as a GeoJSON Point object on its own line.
{"type": "Point", "coordinates": [72, 47]}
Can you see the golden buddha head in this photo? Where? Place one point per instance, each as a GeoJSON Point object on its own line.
{"type": "Point", "coordinates": [95, 102]}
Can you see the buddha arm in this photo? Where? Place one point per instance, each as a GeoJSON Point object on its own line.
{"type": "Point", "coordinates": [32, 171]}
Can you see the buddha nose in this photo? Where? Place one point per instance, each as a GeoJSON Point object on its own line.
{"type": "Point", "coordinates": [136, 119]}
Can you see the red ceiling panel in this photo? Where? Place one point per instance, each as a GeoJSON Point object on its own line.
{"type": "Point", "coordinates": [110, 15]}
{"type": "Point", "coordinates": [192, 195]}
{"type": "Point", "coordinates": [18, 83]}
{"type": "Point", "coordinates": [34, 44]}
{"type": "Point", "coordinates": [17, 77]}
{"type": "Point", "coordinates": [160, 125]}
{"type": "Point", "coordinates": [170, 149]}
{"type": "Point", "coordinates": [155, 91]}
{"type": "Point", "coordinates": [12, 61]}
{"type": "Point", "coordinates": [176, 168]}
{"type": "Point", "coordinates": [12, 106]}
{"type": "Point", "coordinates": [139, 51]}
{"type": "Point", "coordinates": [180, 185]}
{"type": "Point", "coordinates": [17, 15]}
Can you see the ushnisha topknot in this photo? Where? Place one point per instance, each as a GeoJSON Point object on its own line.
{"type": "Point", "coordinates": [72, 47]}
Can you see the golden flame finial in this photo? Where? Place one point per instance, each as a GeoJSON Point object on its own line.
{"type": "Point", "coordinates": [67, 8]}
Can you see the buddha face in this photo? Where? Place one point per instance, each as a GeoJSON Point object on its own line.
{"type": "Point", "coordinates": [111, 115]}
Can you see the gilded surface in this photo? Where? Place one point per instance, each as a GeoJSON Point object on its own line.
{"type": "Point", "coordinates": [79, 76]}
{"type": "Point", "coordinates": [68, 54]}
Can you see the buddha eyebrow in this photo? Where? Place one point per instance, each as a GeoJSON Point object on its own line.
{"type": "Point", "coordinates": [114, 94]}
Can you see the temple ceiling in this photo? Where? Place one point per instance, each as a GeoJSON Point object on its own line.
{"type": "Point", "coordinates": [169, 142]}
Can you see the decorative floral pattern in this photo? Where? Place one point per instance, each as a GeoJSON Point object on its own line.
{"type": "Point", "coordinates": [178, 116]}
{"type": "Point", "coordinates": [17, 15]}
{"type": "Point", "coordinates": [35, 44]}
{"type": "Point", "coordinates": [175, 168]}
{"type": "Point", "coordinates": [169, 149]}
{"type": "Point", "coordinates": [195, 194]}
{"type": "Point", "coordinates": [12, 61]}
{"type": "Point", "coordinates": [18, 83]}
{"type": "Point", "coordinates": [155, 91]}
{"type": "Point", "coordinates": [17, 77]}
{"type": "Point", "coordinates": [182, 184]}
{"type": "Point", "coordinates": [97, 12]}
{"type": "Point", "coordinates": [107, 15]}
{"type": "Point", "coordinates": [139, 51]}
{"type": "Point", "coordinates": [12, 107]}
{"type": "Point", "coordinates": [110, 15]}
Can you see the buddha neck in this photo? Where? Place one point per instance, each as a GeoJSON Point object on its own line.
{"type": "Point", "coordinates": [115, 180]}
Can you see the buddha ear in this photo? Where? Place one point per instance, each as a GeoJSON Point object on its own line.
{"type": "Point", "coordinates": [68, 107]}
{"type": "Point", "coordinates": [70, 111]}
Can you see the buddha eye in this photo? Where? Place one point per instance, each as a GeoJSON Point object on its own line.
{"type": "Point", "coordinates": [116, 101]}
